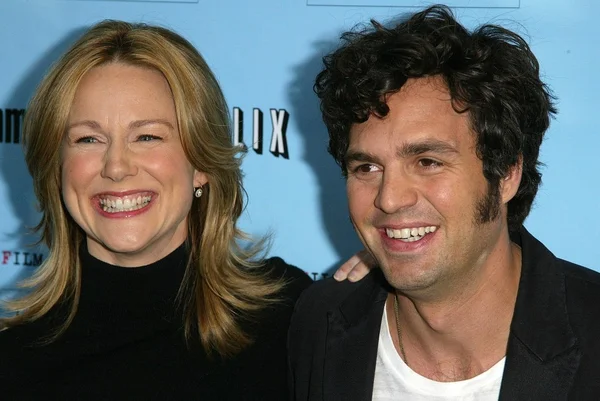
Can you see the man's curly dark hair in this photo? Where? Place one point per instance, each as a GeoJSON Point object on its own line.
{"type": "Point", "coordinates": [490, 72]}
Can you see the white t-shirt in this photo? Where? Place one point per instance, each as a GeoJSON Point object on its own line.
{"type": "Point", "coordinates": [395, 380]}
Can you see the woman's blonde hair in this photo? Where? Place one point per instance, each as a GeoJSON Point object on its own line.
{"type": "Point", "coordinates": [221, 283]}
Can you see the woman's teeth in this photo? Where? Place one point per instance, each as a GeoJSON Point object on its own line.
{"type": "Point", "coordinates": [410, 234]}
{"type": "Point", "coordinates": [124, 204]}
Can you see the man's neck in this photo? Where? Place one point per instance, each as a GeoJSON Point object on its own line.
{"type": "Point", "coordinates": [465, 333]}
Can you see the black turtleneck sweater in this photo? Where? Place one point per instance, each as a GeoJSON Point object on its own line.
{"type": "Point", "coordinates": [126, 343]}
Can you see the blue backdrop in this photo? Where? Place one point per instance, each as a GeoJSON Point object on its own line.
{"type": "Point", "coordinates": [266, 54]}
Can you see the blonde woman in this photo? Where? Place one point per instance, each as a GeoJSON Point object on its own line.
{"type": "Point", "coordinates": [145, 293]}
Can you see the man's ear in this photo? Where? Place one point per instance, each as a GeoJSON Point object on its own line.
{"type": "Point", "coordinates": [509, 185]}
{"type": "Point", "coordinates": [200, 178]}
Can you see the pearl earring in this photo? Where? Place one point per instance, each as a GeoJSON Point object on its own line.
{"type": "Point", "coordinates": [198, 192]}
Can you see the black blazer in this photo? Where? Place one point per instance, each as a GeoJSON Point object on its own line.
{"type": "Point", "coordinates": [553, 351]}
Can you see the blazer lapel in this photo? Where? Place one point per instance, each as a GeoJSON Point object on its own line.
{"type": "Point", "coordinates": [351, 346]}
{"type": "Point", "coordinates": [542, 355]}
{"type": "Point", "coordinates": [526, 377]}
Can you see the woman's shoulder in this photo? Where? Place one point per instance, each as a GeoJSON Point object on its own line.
{"type": "Point", "coordinates": [268, 326]}
{"type": "Point", "coordinates": [294, 279]}
{"type": "Point", "coordinates": [24, 335]}
{"type": "Point", "coordinates": [22, 360]}
{"type": "Point", "coordinates": [273, 317]}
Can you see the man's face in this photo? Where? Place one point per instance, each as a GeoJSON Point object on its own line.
{"type": "Point", "coordinates": [417, 195]}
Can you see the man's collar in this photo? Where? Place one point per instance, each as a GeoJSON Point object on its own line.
{"type": "Point", "coordinates": [371, 291]}
{"type": "Point", "coordinates": [542, 356]}
{"type": "Point", "coordinates": [541, 319]}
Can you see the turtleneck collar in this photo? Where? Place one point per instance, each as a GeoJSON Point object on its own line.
{"type": "Point", "coordinates": [124, 308]}
{"type": "Point", "coordinates": [153, 286]}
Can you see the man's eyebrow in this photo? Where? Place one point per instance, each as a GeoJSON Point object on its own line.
{"type": "Point", "coordinates": [356, 156]}
{"type": "Point", "coordinates": [406, 150]}
{"type": "Point", "coordinates": [427, 146]}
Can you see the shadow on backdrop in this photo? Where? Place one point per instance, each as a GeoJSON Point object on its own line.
{"type": "Point", "coordinates": [13, 170]}
{"type": "Point", "coordinates": [332, 185]}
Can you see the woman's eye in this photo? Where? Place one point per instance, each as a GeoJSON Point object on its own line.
{"type": "Point", "coordinates": [86, 139]}
{"type": "Point", "coordinates": [148, 138]}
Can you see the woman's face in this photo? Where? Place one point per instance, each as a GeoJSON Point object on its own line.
{"type": "Point", "coordinates": [125, 178]}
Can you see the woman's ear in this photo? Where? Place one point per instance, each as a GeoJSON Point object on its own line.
{"type": "Point", "coordinates": [200, 178]}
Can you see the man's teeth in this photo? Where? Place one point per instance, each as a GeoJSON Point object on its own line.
{"type": "Point", "coordinates": [124, 204]}
{"type": "Point", "coordinates": [410, 234]}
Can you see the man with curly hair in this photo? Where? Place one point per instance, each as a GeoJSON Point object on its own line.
{"type": "Point", "coordinates": [437, 130]}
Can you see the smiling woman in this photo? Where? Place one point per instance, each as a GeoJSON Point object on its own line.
{"type": "Point", "coordinates": [146, 292]}
{"type": "Point", "coordinates": [123, 144]}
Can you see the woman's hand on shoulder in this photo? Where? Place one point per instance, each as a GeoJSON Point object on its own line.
{"type": "Point", "coordinates": [356, 268]}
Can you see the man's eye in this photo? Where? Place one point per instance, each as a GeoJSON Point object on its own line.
{"type": "Point", "coordinates": [430, 163]}
{"type": "Point", "coordinates": [365, 168]}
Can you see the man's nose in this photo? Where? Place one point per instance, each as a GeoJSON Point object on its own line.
{"type": "Point", "coordinates": [396, 192]}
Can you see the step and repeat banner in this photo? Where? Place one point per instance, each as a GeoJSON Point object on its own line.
{"type": "Point", "coordinates": [266, 54]}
